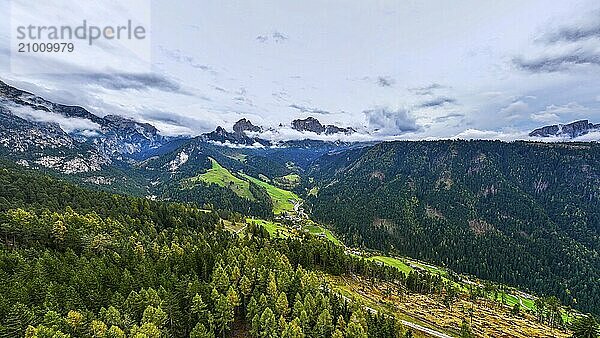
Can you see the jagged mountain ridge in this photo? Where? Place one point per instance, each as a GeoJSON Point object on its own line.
{"type": "Point", "coordinates": [111, 135]}
{"type": "Point", "coordinates": [45, 144]}
{"type": "Point", "coordinates": [118, 137]}
{"type": "Point", "coordinates": [244, 125]}
{"type": "Point", "coordinates": [21, 135]}
{"type": "Point", "coordinates": [238, 137]}
{"type": "Point", "coordinates": [311, 124]}
{"type": "Point", "coordinates": [569, 130]}
{"type": "Point", "coordinates": [245, 133]}
{"type": "Point", "coordinates": [122, 155]}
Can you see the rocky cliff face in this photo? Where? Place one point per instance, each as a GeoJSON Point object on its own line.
{"type": "Point", "coordinates": [331, 129]}
{"type": "Point", "coordinates": [571, 130]}
{"type": "Point", "coordinates": [110, 136]}
{"type": "Point", "coordinates": [17, 97]}
{"type": "Point", "coordinates": [313, 125]}
{"type": "Point", "coordinates": [244, 125]}
{"type": "Point", "coordinates": [309, 124]}
{"type": "Point", "coordinates": [19, 135]}
{"type": "Point", "coordinates": [221, 135]}
{"type": "Point", "coordinates": [239, 136]}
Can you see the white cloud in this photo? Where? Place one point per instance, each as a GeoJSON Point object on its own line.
{"type": "Point", "coordinates": [322, 55]}
{"type": "Point", "coordinates": [509, 136]}
{"type": "Point", "coordinates": [287, 133]}
{"type": "Point", "coordinates": [66, 123]}
{"type": "Point", "coordinates": [545, 117]}
{"type": "Point", "coordinates": [475, 134]}
{"type": "Point", "coordinates": [555, 113]}
{"type": "Point", "coordinates": [589, 137]}
{"type": "Point", "coordinates": [386, 122]}
{"type": "Point", "coordinates": [516, 107]}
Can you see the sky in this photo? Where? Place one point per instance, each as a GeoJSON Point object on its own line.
{"type": "Point", "coordinates": [389, 69]}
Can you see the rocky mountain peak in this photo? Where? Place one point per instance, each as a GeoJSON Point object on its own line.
{"type": "Point", "coordinates": [571, 130]}
{"type": "Point", "coordinates": [223, 136]}
{"type": "Point", "coordinates": [129, 125]}
{"type": "Point", "coordinates": [10, 92]}
{"type": "Point", "coordinates": [220, 131]}
{"type": "Point", "coordinates": [331, 129]}
{"type": "Point", "coordinates": [308, 124]}
{"type": "Point", "coordinates": [245, 125]}
{"type": "Point", "coordinates": [313, 125]}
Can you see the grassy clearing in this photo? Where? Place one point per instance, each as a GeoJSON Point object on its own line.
{"type": "Point", "coordinates": [528, 303]}
{"type": "Point", "coordinates": [289, 182]}
{"type": "Point", "coordinates": [278, 230]}
{"type": "Point", "coordinates": [222, 177]}
{"type": "Point", "coordinates": [511, 300]}
{"type": "Point", "coordinates": [400, 265]}
{"type": "Point", "coordinates": [313, 229]}
{"type": "Point", "coordinates": [317, 230]}
{"type": "Point", "coordinates": [433, 269]}
{"type": "Point", "coordinates": [293, 178]}
{"type": "Point", "coordinates": [413, 264]}
{"type": "Point", "coordinates": [275, 230]}
{"type": "Point", "coordinates": [233, 226]}
{"type": "Point", "coordinates": [282, 199]}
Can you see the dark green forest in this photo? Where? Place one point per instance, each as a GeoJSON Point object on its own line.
{"type": "Point", "coordinates": [525, 214]}
{"type": "Point", "coordinates": [81, 263]}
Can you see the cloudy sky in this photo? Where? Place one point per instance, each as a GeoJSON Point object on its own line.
{"type": "Point", "coordinates": [397, 69]}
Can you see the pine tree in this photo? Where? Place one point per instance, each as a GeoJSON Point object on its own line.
{"type": "Point", "coordinates": [355, 330]}
{"type": "Point", "coordinates": [585, 327]}
{"type": "Point", "coordinates": [97, 329]}
{"type": "Point", "coordinates": [324, 325]}
{"type": "Point", "coordinates": [17, 321]}
{"type": "Point", "coordinates": [220, 280]}
{"type": "Point", "coordinates": [147, 330]}
{"type": "Point", "coordinates": [272, 289]}
{"type": "Point", "coordinates": [281, 305]}
{"type": "Point", "coordinates": [465, 330]}
{"type": "Point", "coordinates": [337, 334]}
{"type": "Point", "coordinates": [200, 331]}
{"type": "Point", "coordinates": [198, 306]}
{"type": "Point", "coordinates": [294, 330]}
{"type": "Point", "coordinates": [245, 288]}
{"type": "Point", "coordinates": [156, 316]}
{"type": "Point", "coordinates": [223, 314]}
{"type": "Point", "coordinates": [233, 298]}
{"type": "Point", "coordinates": [268, 324]}
{"type": "Point", "coordinates": [114, 332]}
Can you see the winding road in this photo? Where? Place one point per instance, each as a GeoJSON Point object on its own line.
{"type": "Point", "coordinates": [425, 329]}
{"type": "Point", "coordinates": [414, 326]}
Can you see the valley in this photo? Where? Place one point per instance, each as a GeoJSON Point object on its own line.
{"type": "Point", "coordinates": [226, 232]}
{"type": "Point", "coordinates": [489, 309]}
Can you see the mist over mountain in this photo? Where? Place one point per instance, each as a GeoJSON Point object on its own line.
{"type": "Point", "coordinates": [300, 169]}
{"type": "Point", "coordinates": [523, 214]}
{"type": "Point", "coordinates": [569, 130]}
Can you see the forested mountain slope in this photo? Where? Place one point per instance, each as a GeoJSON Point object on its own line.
{"type": "Point", "coordinates": [79, 263]}
{"type": "Point", "coordinates": [526, 214]}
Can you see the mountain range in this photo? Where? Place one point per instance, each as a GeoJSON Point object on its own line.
{"type": "Point", "coordinates": [524, 213]}
{"type": "Point", "coordinates": [569, 130]}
